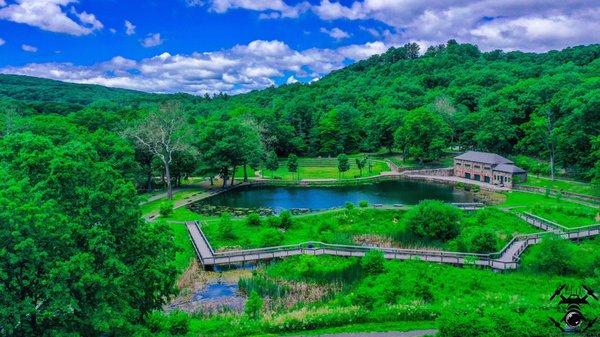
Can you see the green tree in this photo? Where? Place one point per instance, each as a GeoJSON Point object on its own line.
{"type": "Point", "coordinates": [272, 163]}
{"type": "Point", "coordinates": [226, 227]}
{"type": "Point", "coordinates": [254, 305]}
{"type": "Point", "coordinates": [361, 163]}
{"type": "Point", "coordinates": [343, 164]}
{"type": "Point", "coordinates": [285, 220]}
{"type": "Point", "coordinates": [434, 220]}
{"type": "Point", "coordinates": [373, 262]}
{"type": "Point", "coordinates": [423, 135]}
{"type": "Point", "coordinates": [292, 164]}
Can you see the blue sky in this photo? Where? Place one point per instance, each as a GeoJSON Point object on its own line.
{"type": "Point", "coordinates": [211, 46]}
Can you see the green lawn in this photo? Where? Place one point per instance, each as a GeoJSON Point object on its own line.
{"type": "Point", "coordinates": [564, 212]}
{"type": "Point", "coordinates": [349, 227]}
{"type": "Point", "coordinates": [154, 206]}
{"type": "Point", "coordinates": [415, 165]}
{"type": "Point", "coordinates": [324, 168]}
{"type": "Point", "coordinates": [564, 185]}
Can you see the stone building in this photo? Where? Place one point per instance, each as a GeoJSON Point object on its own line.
{"type": "Point", "coordinates": [488, 168]}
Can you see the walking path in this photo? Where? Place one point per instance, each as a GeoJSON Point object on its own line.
{"type": "Point", "coordinates": [507, 258]}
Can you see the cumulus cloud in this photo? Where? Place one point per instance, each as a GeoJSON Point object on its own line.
{"type": "Point", "coordinates": [291, 80]}
{"type": "Point", "coordinates": [28, 48]}
{"type": "Point", "coordinates": [2, 41]}
{"type": "Point", "coordinates": [273, 8]}
{"type": "Point", "coordinates": [335, 33]}
{"type": "Point", "coordinates": [152, 40]}
{"type": "Point", "coordinates": [536, 25]}
{"type": "Point", "coordinates": [50, 15]}
{"type": "Point", "coordinates": [242, 68]}
{"type": "Point", "coordinates": [129, 28]}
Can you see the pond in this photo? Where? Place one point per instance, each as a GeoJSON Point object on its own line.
{"type": "Point", "coordinates": [318, 198]}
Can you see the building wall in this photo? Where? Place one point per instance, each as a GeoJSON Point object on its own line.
{"type": "Point", "coordinates": [473, 170]}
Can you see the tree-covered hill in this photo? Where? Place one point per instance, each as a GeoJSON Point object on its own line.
{"type": "Point", "coordinates": [543, 105]}
{"type": "Point", "coordinates": [50, 96]}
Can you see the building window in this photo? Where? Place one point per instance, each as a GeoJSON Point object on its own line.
{"type": "Point", "coordinates": [486, 167]}
{"type": "Point", "coordinates": [477, 166]}
{"type": "Point", "coordinates": [467, 165]}
{"type": "Point", "coordinates": [458, 164]}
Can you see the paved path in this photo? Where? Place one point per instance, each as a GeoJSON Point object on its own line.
{"type": "Point", "coordinates": [414, 333]}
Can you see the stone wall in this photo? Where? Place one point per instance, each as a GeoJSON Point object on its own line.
{"type": "Point", "coordinates": [441, 172]}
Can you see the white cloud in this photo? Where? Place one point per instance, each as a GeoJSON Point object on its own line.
{"type": "Point", "coordinates": [535, 25]}
{"type": "Point", "coordinates": [2, 3]}
{"type": "Point", "coordinates": [2, 42]}
{"type": "Point", "coordinates": [50, 15]}
{"type": "Point", "coordinates": [241, 68]}
{"type": "Point", "coordinates": [335, 33]}
{"type": "Point", "coordinates": [129, 28]}
{"type": "Point", "coordinates": [152, 40]}
{"type": "Point", "coordinates": [274, 8]}
{"type": "Point", "coordinates": [28, 48]}
{"type": "Point", "coordinates": [112, 30]}
{"type": "Point", "coordinates": [291, 80]}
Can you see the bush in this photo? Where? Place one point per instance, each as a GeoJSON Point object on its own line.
{"type": "Point", "coordinates": [166, 208]}
{"type": "Point", "coordinates": [373, 262]}
{"type": "Point", "coordinates": [272, 221]}
{"type": "Point", "coordinates": [226, 227]}
{"type": "Point", "coordinates": [553, 256]}
{"type": "Point", "coordinates": [253, 219]}
{"type": "Point", "coordinates": [285, 220]}
{"type": "Point", "coordinates": [254, 305]}
{"type": "Point", "coordinates": [434, 219]}
{"type": "Point", "coordinates": [271, 237]}
{"type": "Point", "coordinates": [482, 240]}
{"type": "Point", "coordinates": [175, 323]}
{"type": "Point", "coordinates": [349, 206]}
{"type": "Point", "coordinates": [363, 203]}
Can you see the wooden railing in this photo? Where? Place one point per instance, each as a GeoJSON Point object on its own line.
{"type": "Point", "coordinates": [503, 259]}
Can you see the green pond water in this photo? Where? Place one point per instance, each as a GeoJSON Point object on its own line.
{"type": "Point", "coordinates": [318, 198]}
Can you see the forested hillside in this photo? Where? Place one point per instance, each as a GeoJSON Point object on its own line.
{"type": "Point", "coordinates": [542, 105]}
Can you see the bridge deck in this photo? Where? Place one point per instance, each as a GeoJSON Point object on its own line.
{"type": "Point", "coordinates": [507, 258]}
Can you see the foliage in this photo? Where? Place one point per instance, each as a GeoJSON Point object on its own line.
{"type": "Point", "coordinates": [226, 227]}
{"type": "Point", "coordinates": [363, 203]}
{"type": "Point", "coordinates": [373, 262]}
{"type": "Point", "coordinates": [254, 305]}
{"type": "Point", "coordinates": [174, 323]}
{"type": "Point", "coordinates": [166, 208]}
{"type": "Point", "coordinates": [343, 163]}
{"type": "Point", "coordinates": [553, 256]}
{"type": "Point", "coordinates": [253, 219]}
{"type": "Point", "coordinates": [292, 163]}
{"type": "Point", "coordinates": [285, 220]}
{"type": "Point", "coordinates": [434, 219]}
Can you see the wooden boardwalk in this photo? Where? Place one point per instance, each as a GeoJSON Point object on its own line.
{"type": "Point", "coordinates": [505, 259]}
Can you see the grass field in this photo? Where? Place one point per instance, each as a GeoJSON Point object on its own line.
{"type": "Point", "coordinates": [154, 206]}
{"type": "Point", "coordinates": [564, 212]}
{"type": "Point", "coordinates": [324, 168]}
{"type": "Point", "coordinates": [357, 226]}
{"type": "Point", "coordinates": [562, 185]}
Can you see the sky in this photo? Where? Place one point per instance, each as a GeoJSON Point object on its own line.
{"type": "Point", "coordinates": [234, 46]}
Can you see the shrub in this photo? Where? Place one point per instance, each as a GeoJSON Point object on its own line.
{"type": "Point", "coordinates": [434, 219]}
{"type": "Point", "coordinates": [363, 203]}
{"type": "Point", "coordinates": [285, 220]}
{"type": "Point", "coordinates": [226, 227]}
{"type": "Point", "coordinates": [253, 219]}
{"type": "Point", "coordinates": [373, 262]}
{"type": "Point", "coordinates": [272, 221]}
{"type": "Point", "coordinates": [482, 240]}
{"type": "Point", "coordinates": [254, 305]}
{"type": "Point", "coordinates": [166, 208]}
{"type": "Point", "coordinates": [175, 323]}
{"type": "Point", "coordinates": [271, 237]}
{"type": "Point", "coordinates": [349, 206]}
{"type": "Point", "coordinates": [553, 256]}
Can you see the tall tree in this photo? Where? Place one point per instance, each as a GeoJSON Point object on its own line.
{"type": "Point", "coordinates": [163, 132]}
{"type": "Point", "coordinates": [424, 134]}
{"type": "Point", "coordinates": [272, 163]}
{"type": "Point", "coordinates": [292, 163]}
{"type": "Point", "coordinates": [343, 163]}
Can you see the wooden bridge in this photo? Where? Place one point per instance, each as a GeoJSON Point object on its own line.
{"type": "Point", "coordinates": [505, 259]}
